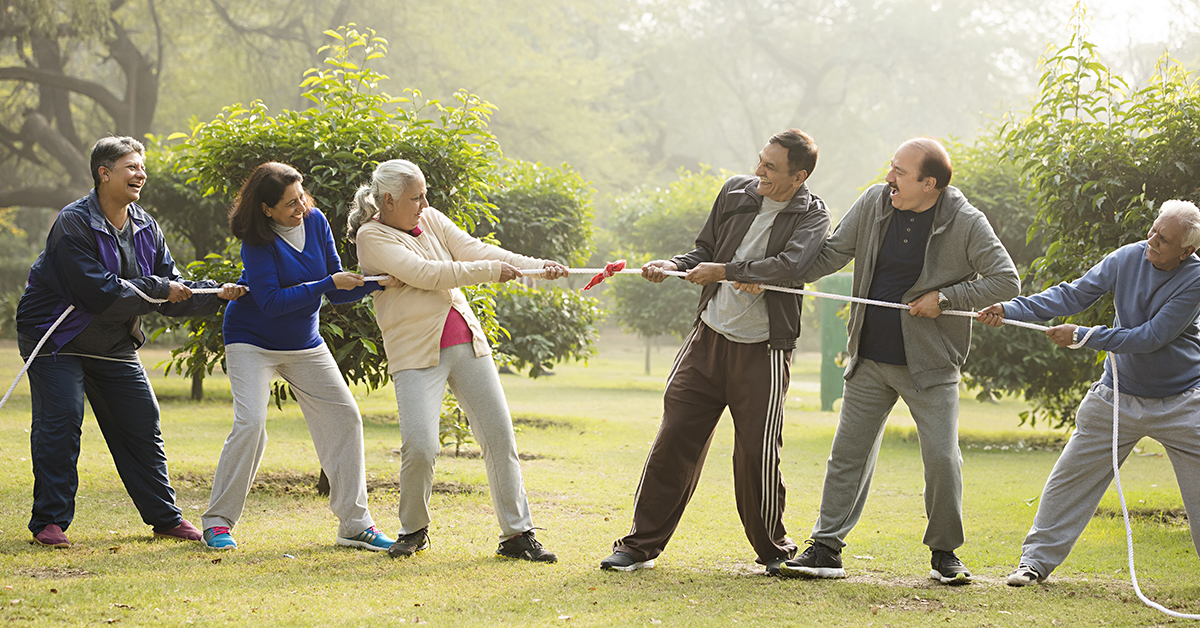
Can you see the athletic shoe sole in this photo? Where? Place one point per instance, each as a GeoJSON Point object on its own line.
{"type": "Point", "coordinates": [793, 571]}
{"type": "Point", "coordinates": [65, 545]}
{"type": "Point", "coordinates": [1021, 580]}
{"type": "Point", "coordinates": [362, 545]}
{"type": "Point", "coordinates": [222, 548]}
{"type": "Point", "coordinates": [645, 564]}
{"type": "Point", "coordinates": [955, 580]}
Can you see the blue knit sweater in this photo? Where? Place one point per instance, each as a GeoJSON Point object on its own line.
{"type": "Point", "coordinates": [286, 286]}
{"type": "Point", "coordinates": [1155, 335]}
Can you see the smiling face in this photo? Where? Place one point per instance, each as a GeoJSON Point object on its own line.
{"type": "Point", "coordinates": [123, 182]}
{"type": "Point", "coordinates": [405, 212]}
{"type": "Point", "coordinates": [909, 191]}
{"type": "Point", "coordinates": [775, 180]}
{"type": "Point", "coordinates": [1164, 244]}
{"type": "Point", "coordinates": [290, 210]}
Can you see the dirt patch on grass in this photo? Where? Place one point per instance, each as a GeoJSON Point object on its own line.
{"type": "Point", "coordinates": [381, 418]}
{"type": "Point", "coordinates": [475, 453]}
{"type": "Point", "coordinates": [538, 423]}
{"type": "Point", "coordinates": [988, 442]}
{"type": "Point", "coordinates": [53, 573]}
{"type": "Point", "coordinates": [1165, 516]}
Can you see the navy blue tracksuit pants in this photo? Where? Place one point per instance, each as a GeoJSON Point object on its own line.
{"type": "Point", "coordinates": [127, 412]}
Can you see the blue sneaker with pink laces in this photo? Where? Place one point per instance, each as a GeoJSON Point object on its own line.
{"type": "Point", "coordinates": [369, 539]}
{"type": "Point", "coordinates": [218, 538]}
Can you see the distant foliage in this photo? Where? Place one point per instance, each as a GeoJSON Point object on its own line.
{"type": "Point", "coordinates": [541, 212]}
{"type": "Point", "coordinates": [546, 326]}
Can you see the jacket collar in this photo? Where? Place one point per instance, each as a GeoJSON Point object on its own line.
{"type": "Point", "coordinates": [948, 205]}
{"type": "Point", "coordinates": [98, 221]}
{"type": "Point", "coordinates": [799, 203]}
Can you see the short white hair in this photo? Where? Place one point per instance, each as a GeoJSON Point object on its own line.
{"type": "Point", "coordinates": [1188, 216]}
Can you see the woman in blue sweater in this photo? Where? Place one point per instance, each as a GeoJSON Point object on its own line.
{"type": "Point", "coordinates": [289, 263]}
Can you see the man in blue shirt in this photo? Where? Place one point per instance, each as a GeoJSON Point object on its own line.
{"type": "Point", "coordinates": [1156, 293]}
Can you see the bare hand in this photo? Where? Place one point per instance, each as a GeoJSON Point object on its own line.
{"type": "Point", "coordinates": [706, 273]}
{"type": "Point", "coordinates": [992, 315]}
{"type": "Point", "coordinates": [347, 281]}
{"type": "Point", "coordinates": [926, 305]}
{"type": "Point", "coordinates": [554, 270]}
{"type": "Point", "coordinates": [749, 288]}
{"type": "Point", "coordinates": [231, 291]}
{"type": "Point", "coordinates": [508, 272]}
{"type": "Point", "coordinates": [1062, 335]}
{"type": "Point", "coordinates": [653, 271]}
{"type": "Point", "coordinates": [389, 281]}
{"type": "Point", "coordinates": [179, 292]}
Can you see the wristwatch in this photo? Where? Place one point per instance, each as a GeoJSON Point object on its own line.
{"type": "Point", "coordinates": [1075, 336]}
{"type": "Point", "coordinates": [943, 302]}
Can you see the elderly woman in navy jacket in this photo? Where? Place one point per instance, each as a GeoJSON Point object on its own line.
{"type": "Point", "coordinates": [101, 252]}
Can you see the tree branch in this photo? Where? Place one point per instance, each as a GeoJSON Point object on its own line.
{"type": "Point", "coordinates": [95, 91]}
{"type": "Point", "coordinates": [54, 198]}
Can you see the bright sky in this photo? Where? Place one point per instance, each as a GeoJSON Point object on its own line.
{"type": "Point", "coordinates": [1117, 23]}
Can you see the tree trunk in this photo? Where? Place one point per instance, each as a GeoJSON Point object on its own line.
{"type": "Point", "coordinates": [198, 387]}
{"type": "Point", "coordinates": [649, 343]}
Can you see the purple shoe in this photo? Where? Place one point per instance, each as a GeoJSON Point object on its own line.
{"type": "Point", "coordinates": [52, 536]}
{"type": "Point", "coordinates": [182, 532]}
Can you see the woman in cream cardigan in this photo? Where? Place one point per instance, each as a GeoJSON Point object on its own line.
{"type": "Point", "coordinates": [432, 338]}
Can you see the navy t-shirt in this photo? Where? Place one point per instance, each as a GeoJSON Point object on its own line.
{"type": "Point", "coordinates": [897, 267]}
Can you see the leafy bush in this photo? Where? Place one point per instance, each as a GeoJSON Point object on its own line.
{"type": "Point", "coordinates": [541, 212]}
{"type": "Point", "coordinates": [545, 326]}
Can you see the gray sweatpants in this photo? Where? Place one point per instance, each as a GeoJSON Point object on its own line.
{"type": "Point", "coordinates": [332, 417]}
{"type": "Point", "coordinates": [476, 384]}
{"type": "Point", "coordinates": [870, 394]}
{"type": "Point", "coordinates": [1084, 470]}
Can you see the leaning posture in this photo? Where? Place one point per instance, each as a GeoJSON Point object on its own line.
{"type": "Point", "coordinates": [1155, 285]}
{"type": "Point", "coordinates": [915, 240]}
{"type": "Point", "coordinates": [765, 228]}
{"type": "Point", "coordinates": [432, 338]}
{"type": "Point", "coordinates": [290, 263]}
{"type": "Point", "coordinates": [101, 250]}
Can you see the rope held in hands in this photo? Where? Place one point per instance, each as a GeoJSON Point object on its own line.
{"type": "Point", "coordinates": [615, 268]}
{"type": "Point", "coordinates": [33, 356]}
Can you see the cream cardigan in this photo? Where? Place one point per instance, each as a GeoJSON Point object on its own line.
{"type": "Point", "coordinates": [432, 267]}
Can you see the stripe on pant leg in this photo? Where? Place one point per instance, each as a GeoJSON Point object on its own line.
{"type": "Point", "coordinates": [771, 510]}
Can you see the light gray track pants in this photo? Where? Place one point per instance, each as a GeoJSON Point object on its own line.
{"type": "Point", "coordinates": [332, 417]}
{"type": "Point", "coordinates": [870, 394]}
{"type": "Point", "coordinates": [1084, 470]}
{"type": "Point", "coordinates": [476, 384]}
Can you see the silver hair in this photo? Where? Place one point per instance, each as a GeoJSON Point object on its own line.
{"type": "Point", "coordinates": [393, 176]}
{"type": "Point", "coordinates": [1188, 216]}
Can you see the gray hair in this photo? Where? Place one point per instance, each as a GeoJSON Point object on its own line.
{"type": "Point", "coordinates": [390, 177]}
{"type": "Point", "coordinates": [1188, 216]}
{"type": "Point", "coordinates": [108, 150]}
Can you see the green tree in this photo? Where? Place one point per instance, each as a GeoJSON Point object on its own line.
{"type": "Point", "coordinates": [337, 143]}
{"type": "Point", "coordinates": [1098, 158]}
{"type": "Point", "coordinates": [658, 224]}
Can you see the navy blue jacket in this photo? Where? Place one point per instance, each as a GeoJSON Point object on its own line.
{"type": "Point", "coordinates": [80, 267]}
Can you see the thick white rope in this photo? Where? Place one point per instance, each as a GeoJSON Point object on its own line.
{"type": "Point", "coordinates": [33, 356]}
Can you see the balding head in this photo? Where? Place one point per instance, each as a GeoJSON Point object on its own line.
{"type": "Point", "coordinates": [935, 162]}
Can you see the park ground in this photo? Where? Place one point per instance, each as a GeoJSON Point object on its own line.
{"type": "Point", "coordinates": [583, 435]}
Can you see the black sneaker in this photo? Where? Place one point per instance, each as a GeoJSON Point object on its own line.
{"type": "Point", "coordinates": [818, 561]}
{"type": "Point", "coordinates": [1024, 574]}
{"type": "Point", "coordinates": [525, 547]}
{"type": "Point", "coordinates": [409, 544]}
{"type": "Point", "coordinates": [620, 561]}
{"type": "Point", "coordinates": [773, 565]}
{"type": "Point", "coordinates": [948, 569]}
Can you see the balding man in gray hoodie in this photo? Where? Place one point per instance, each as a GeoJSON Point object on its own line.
{"type": "Point", "coordinates": [916, 240]}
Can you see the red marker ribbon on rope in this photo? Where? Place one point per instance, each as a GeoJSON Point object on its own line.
{"type": "Point", "coordinates": [610, 269]}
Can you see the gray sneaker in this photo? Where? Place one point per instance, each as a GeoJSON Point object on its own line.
{"type": "Point", "coordinates": [817, 561]}
{"type": "Point", "coordinates": [946, 568]}
{"type": "Point", "coordinates": [620, 561]}
{"type": "Point", "coordinates": [1024, 574]}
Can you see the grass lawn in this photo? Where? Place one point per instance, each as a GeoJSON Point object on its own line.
{"type": "Point", "coordinates": [585, 433]}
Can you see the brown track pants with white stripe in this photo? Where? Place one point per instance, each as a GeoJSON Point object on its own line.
{"type": "Point", "coordinates": [710, 374]}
